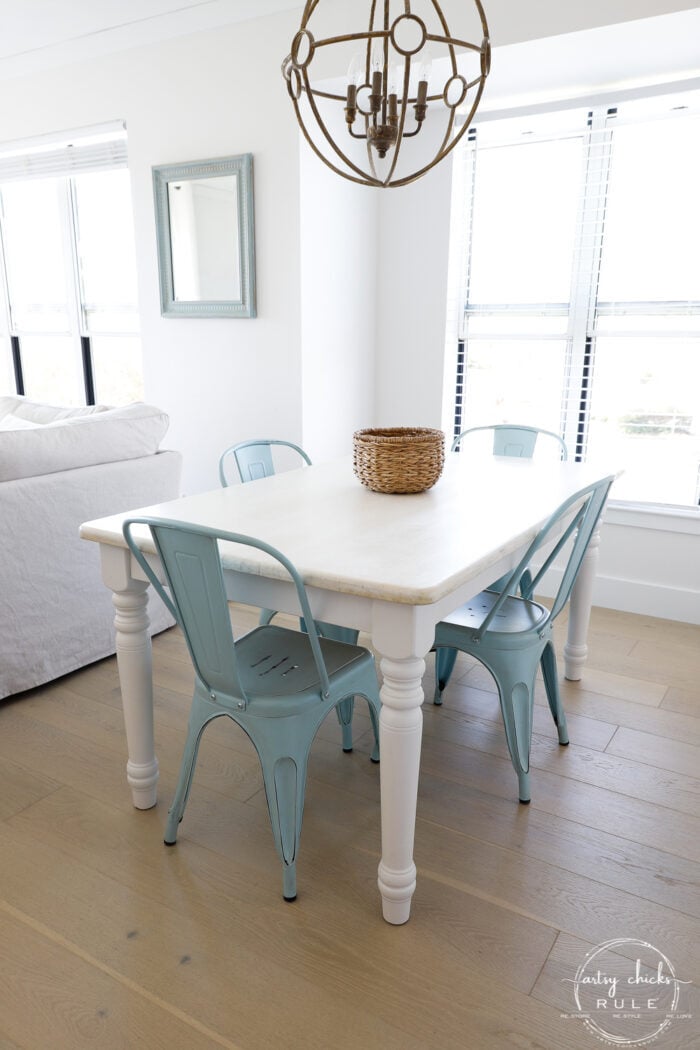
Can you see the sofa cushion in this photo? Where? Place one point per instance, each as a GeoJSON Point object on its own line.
{"type": "Point", "coordinates": [13, 422]}
{"type": "Point", "coordinates": [80, 439]}
{"type": "Point", "coordinates": [41, 412]}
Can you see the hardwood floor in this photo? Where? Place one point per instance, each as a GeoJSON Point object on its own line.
{"type": "Point", "coordinates": [108, 939]}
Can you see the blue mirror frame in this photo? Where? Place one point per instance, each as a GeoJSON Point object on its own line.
{"type": "Point", "coordinates": [241, 167]}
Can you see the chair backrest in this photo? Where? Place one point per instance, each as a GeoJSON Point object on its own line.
{"type": "Point", "coordinates": [513, 439]}
{"type": "Point", "coordinates": [254, 459]}
{"type": "Point", "coordinates": [583, 509]}
{"type": "Point", "coordinates": [191, 561]}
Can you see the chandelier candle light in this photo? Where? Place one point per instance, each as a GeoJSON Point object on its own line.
{"type": "Point", "coordinates": [408, 67]}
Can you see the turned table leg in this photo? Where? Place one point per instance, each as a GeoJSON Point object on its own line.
{"type": "Point", "coordinates": [134, 660]}
{"type": "Point", "coordinates": [401, 635]}
{"type": "Point", "coordinates": [400, 730]}
{"type": "Point", "coordinates": [576, 647]}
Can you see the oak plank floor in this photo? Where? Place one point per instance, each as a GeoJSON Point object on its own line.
{"type": "Point", "coordinates": [110, 940]}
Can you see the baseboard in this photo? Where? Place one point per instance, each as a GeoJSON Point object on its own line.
{"type": "Point", "coordinates": [646, 599]}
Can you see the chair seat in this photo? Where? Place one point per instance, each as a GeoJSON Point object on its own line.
{"type": "Point", "coordinates": [276, 661]}
{"type": "Point", "coordinates": [516, 615]}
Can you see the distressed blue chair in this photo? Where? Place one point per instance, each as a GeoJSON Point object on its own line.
{"type": "Point", "coordinates": [254, 460]}
{"type": "Point", "coordinates": [509, 633]}
{"type": "Point", "coordinates": [277, 684]}
{"type": "Point", "coordinates": [509, 439]}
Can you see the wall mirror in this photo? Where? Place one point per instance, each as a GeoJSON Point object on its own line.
{"type": "Point", "coordinates": [204, 227]}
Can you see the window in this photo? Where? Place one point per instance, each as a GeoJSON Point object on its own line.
{"type": "Point", "coordinates": [575, 286]}
{"type": "Point", "coordinates": [69, 331]}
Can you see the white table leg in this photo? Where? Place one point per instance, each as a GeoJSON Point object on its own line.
{"type": "Point", "coordinates": [400, 731]}
{"type": "Point", "coordinates": [134, 660]}
{"type": "Point", "coordinates": [576, 647]}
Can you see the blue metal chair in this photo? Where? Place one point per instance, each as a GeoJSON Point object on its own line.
{"type": "Point", "coordinates": [509, 439]}
{"type": "Point", "coordinates": [509, 634]}
{"type": "Point", "coordinates": [277, 684]}
{"type": "Point", "coordinates": [254, 460]}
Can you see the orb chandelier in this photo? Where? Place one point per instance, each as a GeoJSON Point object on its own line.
{"type": "Point", "coordinates": [396, 113]}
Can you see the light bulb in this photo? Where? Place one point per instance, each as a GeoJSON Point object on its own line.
{"type": "Point", "coordinates": [425, 65]}
{"type": "Point", "coordinates": [395, 85]}
{"type": "Point", "coordinates": [423, 70]}
{"type": "Point", "coordinates": [356, 69]}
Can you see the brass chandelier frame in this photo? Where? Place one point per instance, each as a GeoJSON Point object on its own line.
{"type": "Point", "coordinates": [386, 116]}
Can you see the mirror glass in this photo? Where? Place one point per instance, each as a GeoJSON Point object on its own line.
{"type": "Point", "coordinates": [204, 238]}
{"type": "Point", "coordinates": [204, 222]}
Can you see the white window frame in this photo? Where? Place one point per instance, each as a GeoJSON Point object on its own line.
{"type": "Point", "coordinates": [584, 308]}
{"type": "Point", "coordinates": [61, 156]}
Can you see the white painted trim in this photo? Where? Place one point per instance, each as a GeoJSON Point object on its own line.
{"type": "Point", "coordinates": [54, 139]}
{"type": "Point", "coordinates": [639, 596]}
{"type": "Point", "coordinates": [589, 99]}
{"type": "Point", "coordinates": [647, 599]}
{"type": "Point", "coordinates": [657, 516]}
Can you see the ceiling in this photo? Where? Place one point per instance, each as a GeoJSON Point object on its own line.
{"type": "Point", "coordinates": [609, 60]}
{"type": "Point", "coordinates": [39, 34]}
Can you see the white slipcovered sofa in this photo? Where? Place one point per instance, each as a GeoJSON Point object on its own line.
{"type": "Point", "coordinates": [60, 467]}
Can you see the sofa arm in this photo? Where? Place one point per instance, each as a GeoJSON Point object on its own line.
{"type": "Point", "coordinates": [55, 612]}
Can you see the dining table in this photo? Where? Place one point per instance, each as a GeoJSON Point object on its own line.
{"type": "Point", "coordinates": [390, 565]}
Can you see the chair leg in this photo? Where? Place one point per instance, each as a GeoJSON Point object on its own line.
{"type": "Point", "coordinates": [516, 697]}
{"type": "Point", "coordinates": [548, 663]}
{"type": "Point", "coordinates": [374, 708]}
{"type": "Point", "coordinates": [265, 616]}
{"type": "Point", "coordinates": [374, 719]}
{"type": "Point", "coordinates": [285, 786]}
{"type": "Point", "coordinates": [283, 758]}
{"type": "Point", "coordinates": [345, 708]}
{"type": "Point", "coordinates": [200, 715]}
{"type": "Point", "coordinates": [445, 660]}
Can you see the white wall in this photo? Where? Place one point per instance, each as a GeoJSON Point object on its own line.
{"type": "Point", "coordinates": [411, 310]}
{"type": "Point", "coordinates": [339, 240]}
{"type": "Point", "coordinates": [219, 93]}
{"type": "Point", "coordinates": [650, 563]}
{"type": "Point", "coordinates": [221, 380]}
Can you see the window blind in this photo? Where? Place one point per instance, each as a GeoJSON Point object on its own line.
{"type": "Point", "coordinates": [65, 154]}
{"type": "Point", "coordinates": [567, 276]}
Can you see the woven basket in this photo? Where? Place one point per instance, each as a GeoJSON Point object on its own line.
{"type": "Point", "coordinates": [398, 459]}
